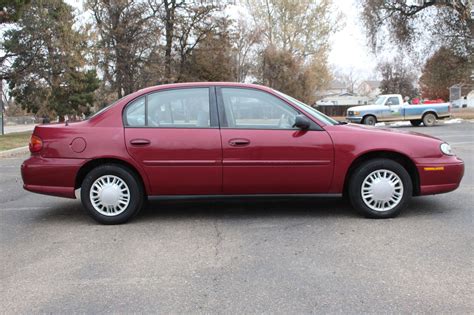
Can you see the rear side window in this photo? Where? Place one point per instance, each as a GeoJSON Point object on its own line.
{"type": "Point", "coordinates": [180, 108]}
{"type": "Point", "coordinates": [185, 108]}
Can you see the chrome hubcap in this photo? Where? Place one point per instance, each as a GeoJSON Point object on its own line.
{"type": "Point", "coordinates": [109, 195]}
{"type": "Point", "coordinates": [382, 190]}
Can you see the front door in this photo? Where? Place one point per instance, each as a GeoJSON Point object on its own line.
{"type": "Point", "coordinates": [263, 153]}
{"type": "Point", "coordinates": [392, 109]}
{"type": "Point", "coordinates": [174, 134]}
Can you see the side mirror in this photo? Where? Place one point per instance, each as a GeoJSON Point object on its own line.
{"type": "Point", "coordinates": [389, 103]}
{"type": "Point", "coordinates": [302, 122]}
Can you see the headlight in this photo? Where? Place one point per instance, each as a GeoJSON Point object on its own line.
{"type": "Point", "coordinates": [446, 148]}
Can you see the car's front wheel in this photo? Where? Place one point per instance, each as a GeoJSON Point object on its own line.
{"type": "Point", "coordinates": [380, 188]}
{"type": "Point", "coordinates": [369, 120]}
{"type": "Point", "coordinates": [112, 194]}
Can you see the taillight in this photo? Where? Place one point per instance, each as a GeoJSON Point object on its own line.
{"type": "Point", "coordinates": [36, 144]}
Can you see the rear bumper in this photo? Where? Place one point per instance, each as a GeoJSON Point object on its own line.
{"type": "Point", "coordinates": [51, 176]}
{"type": "Point", "coordinates": [438, 178]}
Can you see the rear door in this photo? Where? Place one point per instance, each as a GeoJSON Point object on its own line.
{"type": "Point", "coordinates": [263, 153]}
{"type": "Point", "coordinates": [174, 134]}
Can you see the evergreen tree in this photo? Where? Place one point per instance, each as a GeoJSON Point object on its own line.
{"type": "Point", "coordinates": [48, 74]}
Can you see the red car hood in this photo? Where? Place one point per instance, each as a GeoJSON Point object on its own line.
{"type": "Point", "coordinates": [356, 127]}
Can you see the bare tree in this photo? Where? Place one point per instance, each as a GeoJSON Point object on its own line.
{"type": "Point", "coordinates": [397, 77]}
{"type": "Point", "coordinates": [127, 37]}
{"type": "Point", "coordinates": [246, 38]}
{"type": "Point", "coordinates": [349, 77]}
{"type": "Point", "coordinates": [448, 21]}
{"type": "Point", "coordinates": [296, 37]}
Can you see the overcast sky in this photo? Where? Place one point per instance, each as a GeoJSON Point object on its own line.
{"type": "Point", "coordinates": [349, 45]}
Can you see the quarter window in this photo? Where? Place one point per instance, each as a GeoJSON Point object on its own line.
{"type": "Point", "coordinates": [135, 113]}
{"type": "Point", "coordinates": [251, 109]}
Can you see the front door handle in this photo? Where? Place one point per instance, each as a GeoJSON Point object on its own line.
{"type": "Point", "coordinates": [239, 142]}
{"type": "Point", "coordinates": [140, 142]}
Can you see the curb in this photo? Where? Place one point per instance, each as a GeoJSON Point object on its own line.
{"type": "Point", "coordinates": [14, 152]}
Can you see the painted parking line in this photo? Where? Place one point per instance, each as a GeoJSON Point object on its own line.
{"type": "Point", "coordinates": [461, 143]}
{"type": "Point", "coordinates": [25, 209]}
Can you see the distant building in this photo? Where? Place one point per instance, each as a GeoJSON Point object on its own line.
{"type": "Point", "coordinates": [344, 99]}
{"type": "Point", "coordinates": [335, 88]}
{"type": "Point", "coordinates": [462, 95]}
{"type": "Point", "coordinates": [369, 88]}
{"type": "Point", "coordinates": [337, 105]}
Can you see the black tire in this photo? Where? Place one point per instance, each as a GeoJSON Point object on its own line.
{"type": "Point", "coordinates": [429, 119]}
{"type": "Point", "coordinates": [415, 123]}
{"type": "Point", "coordinates": [136, 193]}
{"type": "Point", "coordinates": [363, 171]}
{"type": "Point", "coordinates": [369, 120]}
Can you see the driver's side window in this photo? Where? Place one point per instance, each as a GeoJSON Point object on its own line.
{"type": "Point", "coordinates": [392, 101]}
{"type": "Point", "coordinates": [252, 109]}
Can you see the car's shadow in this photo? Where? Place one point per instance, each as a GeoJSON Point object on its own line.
{"type": "Point", "coordinates": [234, 208]}
{"type": "Point", "coordinates": [420, 128]}
{"type": "Point", "coordinates": [324, 208]}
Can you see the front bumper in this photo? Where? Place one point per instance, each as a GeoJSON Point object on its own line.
{"type": "Point", "coordinates": [354, 119]}
{"type": "Point", "coordinates": [50, 176]}
{"type": "Point", "coordinates": [438, 178]}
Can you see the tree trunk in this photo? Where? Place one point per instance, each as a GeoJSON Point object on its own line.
{"type": "Point", "coordinates": [170, 7]}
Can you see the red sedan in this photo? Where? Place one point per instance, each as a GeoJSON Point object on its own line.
{"type": "Point", "coordinates": [230, 139]}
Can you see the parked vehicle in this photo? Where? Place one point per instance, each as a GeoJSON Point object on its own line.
{"type": "Point", "coordinates": [390, 107]}
{"type": "Point", "coordinates": [230, 139]}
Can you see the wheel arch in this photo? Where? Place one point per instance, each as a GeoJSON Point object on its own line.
{"type": "Point", "coordinates": [368, 115]}
{"type": "Point", "coordinates": [90, 165]}
{"type": "Point", "coordinates": [398, 157]}
{"type": "Point", "coordinates": [429, 111]}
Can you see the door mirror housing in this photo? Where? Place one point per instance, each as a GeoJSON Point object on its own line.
{"type": "Point", "coordinates": [302, 122]}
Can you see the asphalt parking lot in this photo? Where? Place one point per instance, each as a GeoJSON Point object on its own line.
{"type": "Point", "coordinates": [272, 256]}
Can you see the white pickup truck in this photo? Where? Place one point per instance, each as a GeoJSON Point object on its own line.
{"type": "Point", "coordinates": [390, 107]}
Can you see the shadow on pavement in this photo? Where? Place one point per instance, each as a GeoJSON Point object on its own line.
{"type": "Point", "coordinates": [73, 213]}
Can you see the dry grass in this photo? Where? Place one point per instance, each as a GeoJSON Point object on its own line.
{"type": "Point", "coordinates": [14, 140]}
{"type": "Point", "coordinates": [464, 113]}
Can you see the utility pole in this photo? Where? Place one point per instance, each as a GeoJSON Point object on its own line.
{"type": "Point", "coordinates": [2, 109]}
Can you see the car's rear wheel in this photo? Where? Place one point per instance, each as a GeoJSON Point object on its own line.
{"type": "Point", "coordinates": [429, 119]}
{"type": "Point", "coordinates": [380, 188]}
{"type": "Point", "coordinates": [112, 194]}
{"type": "Point", "coordinates": [415, 123]}
{"type": "Point", "coordinates": [369, 120]}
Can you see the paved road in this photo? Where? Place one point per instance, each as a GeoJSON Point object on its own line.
{"type": "Point", "coordinates": [18, 128]}
{"type": "Point", "coordinates": [240, 257]}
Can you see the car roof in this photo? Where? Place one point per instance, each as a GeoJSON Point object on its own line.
{"type": "Point", "coordinates": [201, 84]}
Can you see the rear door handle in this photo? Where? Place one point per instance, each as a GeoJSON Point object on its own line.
{"type": "Point", "coordinates": [239, 142]}
{"type": "Point", "coordinates": [140, 142]}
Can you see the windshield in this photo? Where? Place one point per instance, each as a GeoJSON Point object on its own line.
{"type": "Point", "coordinates": [380, 100]}
{"type": "Point", "coordinates": [309, 110]}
